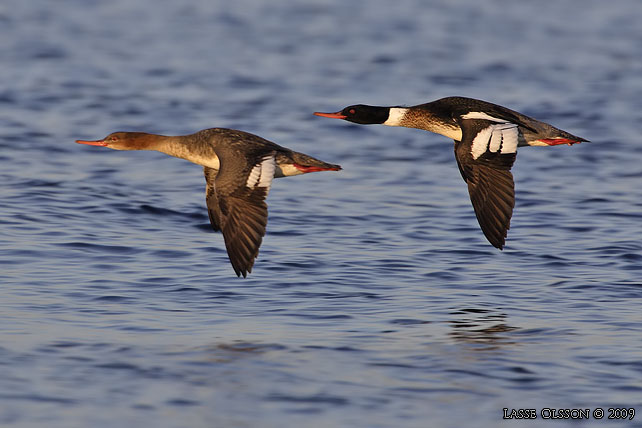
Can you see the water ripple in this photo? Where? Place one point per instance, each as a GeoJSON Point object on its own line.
{"type": "Point", "coordinates": [376, 300]}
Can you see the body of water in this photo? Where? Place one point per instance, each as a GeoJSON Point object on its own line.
{"type": "Point", "coordinates": [375, 300]}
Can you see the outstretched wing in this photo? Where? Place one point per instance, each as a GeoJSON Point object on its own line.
{"type": "Point", "coordinates": [236, 205]}
{"type": "Point", "coordinates": [485, 156]}
{"type": "Point", "coordinates": [211, 199]}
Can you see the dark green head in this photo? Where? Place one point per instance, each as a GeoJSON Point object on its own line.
{"type": "Point", "coordinates": [362, 114]}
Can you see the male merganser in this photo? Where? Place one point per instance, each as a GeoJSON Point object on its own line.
{"type": "Point", "coordinates": [486, 139]}
{"type": "Point", "coordinates": [239, 168]}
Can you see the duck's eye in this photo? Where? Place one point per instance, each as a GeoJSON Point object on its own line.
{"type": "Point", "coordinates": [113, 138]}
{"type": "Point", "coordinates": [352, 111]}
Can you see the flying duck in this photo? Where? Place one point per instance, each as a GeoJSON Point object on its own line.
{"type": "Point", "coordinates": [486, 139]}
{"type": "Point", "coordinates": [239, 168]}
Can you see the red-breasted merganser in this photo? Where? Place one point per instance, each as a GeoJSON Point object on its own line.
{"type": "Point", "coordinates": [239, 168]}
{"type": "Point", "coordinates": [486, 139]}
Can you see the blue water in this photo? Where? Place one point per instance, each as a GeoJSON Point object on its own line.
{"type": "Point", "coordinates": [375, 301]}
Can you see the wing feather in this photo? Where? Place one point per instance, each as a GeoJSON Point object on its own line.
{"type": "Point", "coordinates": [485, 156]}
{"type": "Point", "coordinates": [236, 204]}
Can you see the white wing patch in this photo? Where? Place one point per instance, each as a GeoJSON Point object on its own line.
{"type": "Point", "coordinates": [482, 115]}
{"type": "Point", "coordinates": [502, 137]}
{"type": "Point", "coordinates": [262, 173]}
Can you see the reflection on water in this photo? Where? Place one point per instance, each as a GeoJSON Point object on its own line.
{"type": "Point", "coordinates": [481, 327]}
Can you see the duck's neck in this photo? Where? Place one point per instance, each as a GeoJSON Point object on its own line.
{"type": "Point", "coordinates": [396, 116]}
{"type": "Point", "coordinates": [186, 147]}
{"type": "Point", "coordinates": [421, 119]}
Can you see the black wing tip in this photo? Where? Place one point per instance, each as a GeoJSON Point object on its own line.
{"type": "Point", "coordinates": [241, 261]}
{"type": "Point", "coordinates": [495, 235]}
{"type": "Point", "coordinates": [496, 242]}
{"type": "Point", "coordinates": [242, 271]}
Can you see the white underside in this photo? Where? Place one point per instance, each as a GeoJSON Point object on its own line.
{"type": "Point", "coordinates": [453, 132]}
{"type": "Point", "coordinates": [209, 161]}
{"type": "Point", "coordinates": [286, 170]}
{"type": "Point", "coordinates": [536, 143]}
